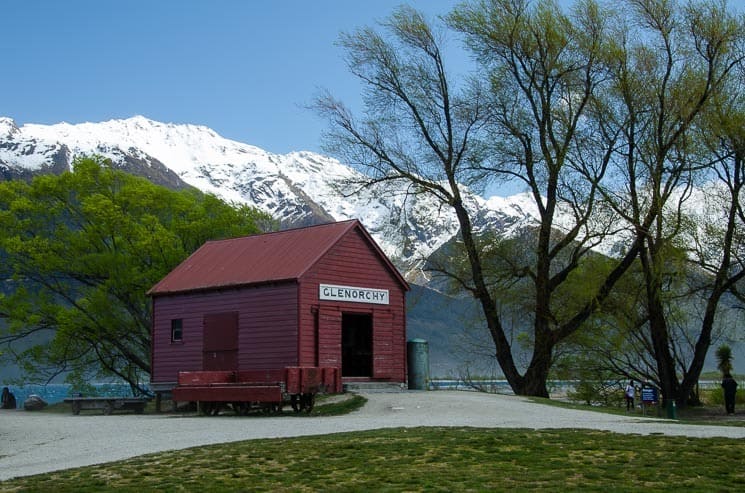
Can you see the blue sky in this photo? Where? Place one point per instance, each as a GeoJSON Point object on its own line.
{"type": "Point", "coordinates": [245, 68]}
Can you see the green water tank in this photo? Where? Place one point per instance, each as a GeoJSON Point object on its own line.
{"type": "Point", "coordinates": [417, 352]}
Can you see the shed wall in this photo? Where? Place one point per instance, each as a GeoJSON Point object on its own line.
{"type": "Point", "coordinates": [353, 262]}
{"type": "Point", "coordinates": [267, 328]}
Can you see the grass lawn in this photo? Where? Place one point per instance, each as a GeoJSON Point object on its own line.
{"type": "Point", "coordinates": [436, 459]}
{"type": "Point", "coordinates": [701, 415]}
{"type": "Point", "coordinates": [433, 459]}
{"type": "Point", "coordinates": [710, 411]}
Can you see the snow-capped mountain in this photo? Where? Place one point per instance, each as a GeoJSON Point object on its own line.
{"type": "Point", "coordinates": [298, 188]}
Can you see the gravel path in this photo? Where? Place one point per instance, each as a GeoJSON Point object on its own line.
{"type": "Point", "coordinates": [32, 443]}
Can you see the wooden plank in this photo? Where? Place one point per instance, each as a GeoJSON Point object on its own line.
{"type": "Point", "coordinates": [205, 377]}
{"type": "Point", "coordinates": [293, 380]}
{"type": "Point", "coordinates": [107, 404]}
{"type": "Point", "coordinates": [232, 393]}
{"type": "Point", "coordinates": [261, 376]}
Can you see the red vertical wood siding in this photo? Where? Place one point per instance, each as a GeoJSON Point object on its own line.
{"type": "Point", "coordinates": [267, 328]}
{"type": "Point", "coordinates": [384, 364]}
{"type": "Point", "coordinates": [354, 262]}
{"type": "Point", "coordinates": [329, 338]}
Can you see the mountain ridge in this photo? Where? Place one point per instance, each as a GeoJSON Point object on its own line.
{"type": "Point", "coordinates": [298, 188]}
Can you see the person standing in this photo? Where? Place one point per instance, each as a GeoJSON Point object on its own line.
{"type": "Point", "coordinates": [8, 400]}
{"type": "Point", "coordinates": [730, 391]}
{"type": "Point", "coordinates": [629, 394]}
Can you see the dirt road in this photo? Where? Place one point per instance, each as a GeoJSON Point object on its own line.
{"type": "Point", "coordinates": [32, 443]}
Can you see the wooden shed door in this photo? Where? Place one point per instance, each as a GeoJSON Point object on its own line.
{"type": "Point", "coordinates": [220, 341]}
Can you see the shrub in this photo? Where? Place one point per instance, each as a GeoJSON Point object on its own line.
{"type": "Point", "coordinates": [715, 397]}
{"type": "Point", "coordinates": [597, 392]}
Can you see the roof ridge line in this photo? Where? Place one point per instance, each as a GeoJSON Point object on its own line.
{"type": "Point", "coordinates": [282, 231]}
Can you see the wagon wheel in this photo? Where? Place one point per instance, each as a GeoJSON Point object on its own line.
{"type": "Point", "coordinates": [76, 408]}
{"type": "Point", "coordinates": [238, 407]}
{"type": "Point", "coordinates": [272, 408]}
{"type": "Point", "coordinates": [216, 408]}
{"type": "Point", "coordinates": [296, 403]}
{"type": "Point", "coordinates": [108, 408]}
{"type": "Point", "coordinates": [308, 401]}
{"type": "Point", "coordinates": [206, 407]}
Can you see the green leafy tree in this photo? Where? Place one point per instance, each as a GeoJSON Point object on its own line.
{"type": "Point", "coordinates": [616, 344]}
{"type": "Point", "coordinates": [81, 249]}
{"type": "Point", "coordinates": [717, 234]}
{"type": "Point", "coordinates": [666, 72]}
{"type": "Point", "coordinates": [521, 119]}
{"type": "Point", "coordinates": [593, 110]}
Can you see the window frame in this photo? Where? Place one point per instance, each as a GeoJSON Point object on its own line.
{"type": "Point", "coordinates": [177, 327]}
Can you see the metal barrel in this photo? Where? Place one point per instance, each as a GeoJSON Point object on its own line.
{"type": "Point", "coordinates": [418, 361]}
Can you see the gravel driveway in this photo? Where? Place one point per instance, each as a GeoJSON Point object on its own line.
{"type": "Point", "coordinates": [32, 443]}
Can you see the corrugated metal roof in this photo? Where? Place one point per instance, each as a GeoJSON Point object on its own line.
{"type": "Point", "coordinates": [270, 257]}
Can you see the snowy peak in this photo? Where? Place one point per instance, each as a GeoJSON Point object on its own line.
{"type": "Point", "coordinates": [180, 144]}
{"type": "Point", "coordinates": [8, 127]}
{"type": "Point", "coordinates": [299, 188]}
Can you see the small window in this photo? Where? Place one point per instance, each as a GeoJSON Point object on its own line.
{"type": "Point", "coordinates": [177, 330]}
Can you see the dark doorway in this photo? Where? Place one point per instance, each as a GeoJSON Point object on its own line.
{"type": "Point", "coordinates": [220, 341]}
{"type": "Point", "coordinates": [356, 345]}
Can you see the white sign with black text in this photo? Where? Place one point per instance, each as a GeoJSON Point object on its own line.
{"type": "Point", "coordinates": [353, 294]}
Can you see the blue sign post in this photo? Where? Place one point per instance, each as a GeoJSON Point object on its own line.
{"type": "Point", "coordinates": [650, 397]}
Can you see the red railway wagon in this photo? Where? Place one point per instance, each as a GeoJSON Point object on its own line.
{"type": "Point", "coordinates": [324, 299]}
{"type": "Point", "coordinates": [266, 390]}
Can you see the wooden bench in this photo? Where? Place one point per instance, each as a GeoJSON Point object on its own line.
{"type": "Point", "coordinates": [108, 404]}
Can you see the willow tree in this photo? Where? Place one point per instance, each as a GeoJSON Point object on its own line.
{"type": "Point", "coordinates": [522, 117]}
{"type": "Point", "coordinates": [667, 68]}
{"type": "Point", "coordinates": [80, 250]}
{"type": "Point", "coordinates": [716, 237]}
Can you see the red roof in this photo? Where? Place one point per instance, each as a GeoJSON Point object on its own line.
{"type": "Point", "coordinates": [270, 257]}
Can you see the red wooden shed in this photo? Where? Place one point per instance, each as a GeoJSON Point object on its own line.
{"type": "Point", "coordinates": [323, 296]}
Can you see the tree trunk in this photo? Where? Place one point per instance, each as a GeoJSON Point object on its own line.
{"type": "Point", "coordinates": [488, 305]}
{"type": "Point", "coordinates": [658, 330]}
{"type": "Point", "coordinates": [536, 376]}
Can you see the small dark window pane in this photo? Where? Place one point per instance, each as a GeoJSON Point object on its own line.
{"type": "Point", "coordinates": [176, 330]}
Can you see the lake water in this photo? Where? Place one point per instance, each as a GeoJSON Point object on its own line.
{"type": "Point", "coordinates": [54, 393]}
{"type": "Point", "coordinates": [496, 386]}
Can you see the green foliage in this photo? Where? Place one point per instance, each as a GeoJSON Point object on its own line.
{"type": "Point", "coordinates": [724, 359]}
{"type": "Point", "coordinates": [596, 383]}
{"type": "Point", "coordinates": [80, 251]}
{"type": "Point", "coordinates": [715, 397]}
{"type": "Point", "coordinates": [592, 392]}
